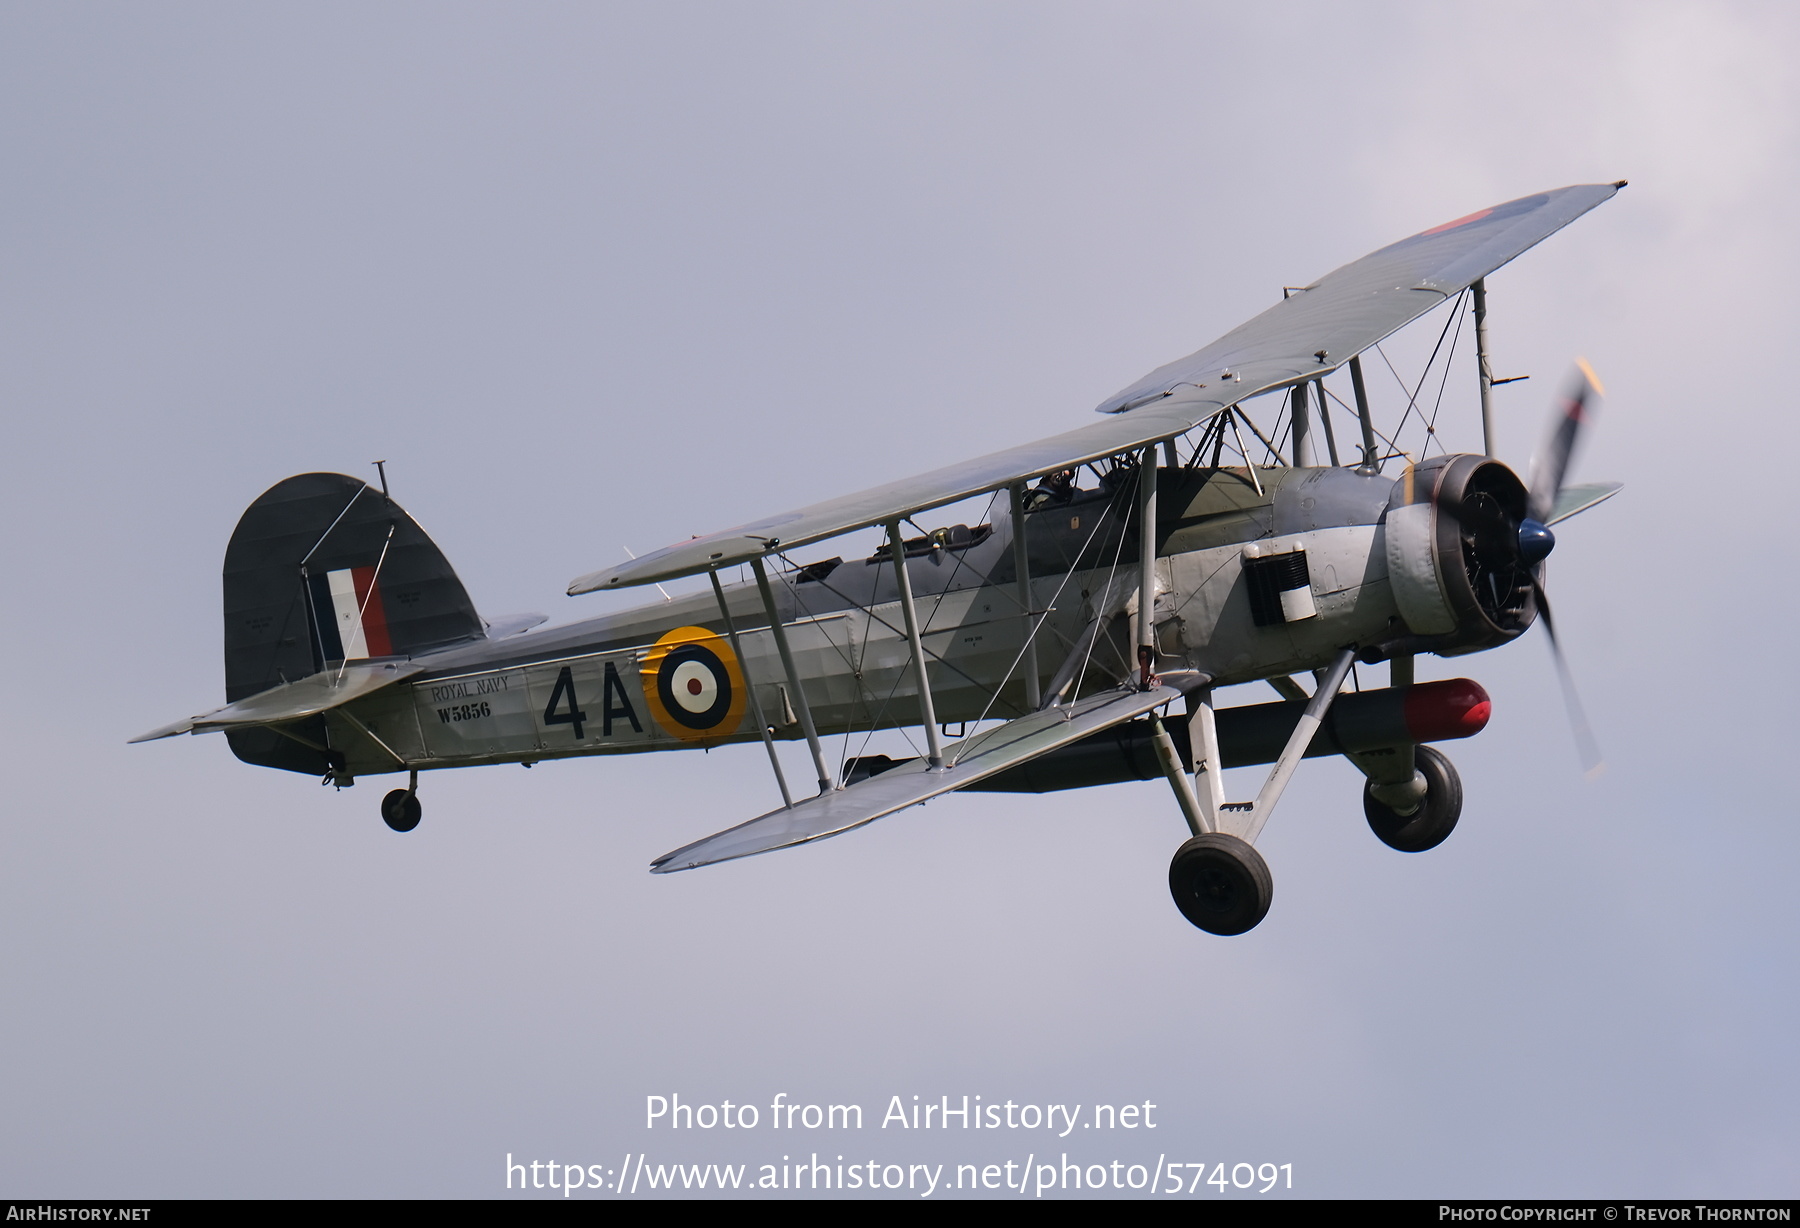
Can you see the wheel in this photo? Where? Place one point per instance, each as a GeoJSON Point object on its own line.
{"type": "Point", "coordinates": [400, 809]}
{"type": "Point", "coordinates": [1434, 820]}
{"type": "Point", "coordinates": [1221, 884]}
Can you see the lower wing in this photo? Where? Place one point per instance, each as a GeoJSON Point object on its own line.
{"type": "Point", "coordinates": [972, 759]}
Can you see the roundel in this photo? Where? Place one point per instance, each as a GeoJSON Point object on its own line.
{"type": "Point", "coordinates": [694, 685]}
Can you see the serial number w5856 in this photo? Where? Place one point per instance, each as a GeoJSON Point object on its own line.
{"type": "Point", "coordinates": [464, 712]}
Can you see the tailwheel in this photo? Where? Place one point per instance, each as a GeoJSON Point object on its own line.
{"type": "Point", "coordinates": [1221, 884]}
{"type": "Point", "coordinates": [1432, 818]}
{"type": "Point", "coordinates": [400, 809]}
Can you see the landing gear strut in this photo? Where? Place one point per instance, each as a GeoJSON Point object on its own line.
{"type": "Point", "coordinates": [1432, 818]}
{"type": "Point", "coordinates": [1220, 883]}
{"type": "Point", "coordinates": [400, 809]}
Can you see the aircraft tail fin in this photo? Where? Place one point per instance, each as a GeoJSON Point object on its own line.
{"type": "Point", "coordinates": [323, 569]}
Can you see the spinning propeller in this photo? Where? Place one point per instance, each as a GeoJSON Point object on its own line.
{"type": "Point", "coordinates": [1506, 551]}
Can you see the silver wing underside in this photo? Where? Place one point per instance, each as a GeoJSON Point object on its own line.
{"type": "Point", "coordinates": [967, 761]}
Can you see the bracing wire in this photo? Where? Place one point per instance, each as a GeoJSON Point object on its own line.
{"type": "Point", "coordinates": [1054, 597]}
{"type": "Point", "coordinates": [1413, 397]}
{"type": "Point", "coordinates": [1443, 383]}
{"type": "Point", "coordinates": [1111, 576]}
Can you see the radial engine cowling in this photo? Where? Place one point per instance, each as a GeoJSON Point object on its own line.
{"type": "Point", "coordinates": [1452, 529]}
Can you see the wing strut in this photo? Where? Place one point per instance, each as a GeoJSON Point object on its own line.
{"type": "Point", "coordinates": [1022, 568]}
{"type": "Point", "coordinates": [1146, 639]}
{"type": "Point", "coordinates": [1483, 369]}
{"type": "Point", "coordinates": [1198, 818]}
{"type": "Point", "coordinates": [927, 711]}
{"type": "Point", "coordinates": [1303, 445]}
{"type": "Point", "coordinates": [1231, 416]}
{"type": "Point", "coordinates": [1369, 465]}
{"type": "Point", "coordinates": [762, 725]}
{"type": "Point", "coordinates": [1325, 421]}
{"type": "Point", "coordinates": [802, 708]}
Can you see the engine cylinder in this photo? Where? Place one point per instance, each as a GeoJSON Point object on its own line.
{"type": "Point", "coordinates": [1454, 561]}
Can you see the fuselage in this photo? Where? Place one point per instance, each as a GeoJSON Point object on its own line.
{"type": "Point", "coordinates": [621, 682]}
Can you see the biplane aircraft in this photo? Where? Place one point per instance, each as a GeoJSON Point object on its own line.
{"type": "Point", "coordinates": [1128, 569]}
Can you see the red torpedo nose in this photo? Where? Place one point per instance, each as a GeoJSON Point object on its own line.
{"type": "Point", "coordinates": [1455, 708]}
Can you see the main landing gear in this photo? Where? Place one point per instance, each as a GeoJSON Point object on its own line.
{"type": "Point", "coordinates": [400, 809]}
{"type": "Point", "coordinates": [1220, 883]}
{"type": "Point", "coordinates": [1430, 819]}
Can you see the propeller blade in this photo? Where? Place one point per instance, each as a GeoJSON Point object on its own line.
{"type": "Point", "coordinates": [1551, 465]}
{"type": "Point", "coordinates": [1589, 749]}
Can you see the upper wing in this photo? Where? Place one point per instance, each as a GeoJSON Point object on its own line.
{"type": "Point", "coordinates": [294, 700]}
{"type": "Point", "coordinates": [1299, 338]}
{"type": "Point", "coordinates": [1346, 312]}
{"type": "Point", "coordinates": [969, 760]}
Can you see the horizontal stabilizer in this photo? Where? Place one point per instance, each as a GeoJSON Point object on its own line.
{"type": "Point", "coordinates": [295, 700]}
{"type": "Point", "coordinates": [1575, 499]}
{"type": "Point", "coordinates": [969, 760]}
{"type": "Point", "coordinates": [512, 624]}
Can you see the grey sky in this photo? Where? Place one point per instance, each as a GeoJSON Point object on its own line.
{"type": "Point", "coordinates": [598, 276]}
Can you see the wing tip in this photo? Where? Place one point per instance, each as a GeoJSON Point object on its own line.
{"type": "Point", "coordinates": [165, 731]}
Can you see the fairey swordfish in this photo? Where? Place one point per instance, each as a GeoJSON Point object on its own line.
{"type": "Point", "coordinates": [1123, 570]}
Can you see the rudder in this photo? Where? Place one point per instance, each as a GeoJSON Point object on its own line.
{"type": "Point", "coordinates": [323, 568]}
